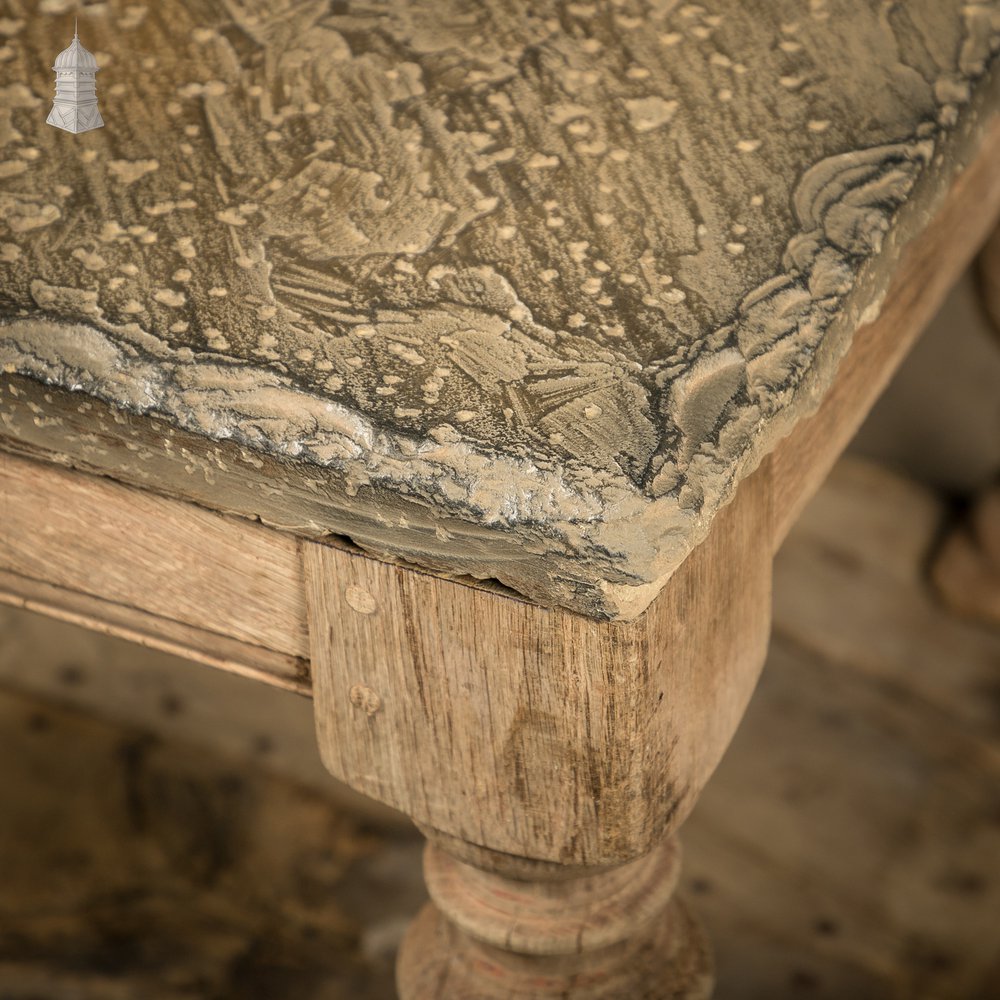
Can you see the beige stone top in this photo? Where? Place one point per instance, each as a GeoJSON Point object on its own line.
{"type": "Point", "coordinates": [512, 289]}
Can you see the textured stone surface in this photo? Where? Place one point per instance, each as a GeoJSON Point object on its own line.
{"type": "Point", "coordinates": [539, 280]}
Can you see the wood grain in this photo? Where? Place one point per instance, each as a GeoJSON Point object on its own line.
{"type": "Point", "coordinates": [594, 937]}
{"type": "Point", "coordinates": [154, 631]}
{"type": "Point", "coordinates": [137, 550]}
{"type": "Point", "coordinates": [538, 732]}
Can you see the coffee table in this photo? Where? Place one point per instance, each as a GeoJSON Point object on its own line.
{"type": "Point", "coordinates": [462, 366]}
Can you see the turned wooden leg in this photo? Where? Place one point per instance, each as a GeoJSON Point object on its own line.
{"type": "Point", "coordinates": [502, 928]}
{"type": "Point", "coordinates": [549, 758]}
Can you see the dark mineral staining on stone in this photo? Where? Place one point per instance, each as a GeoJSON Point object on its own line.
{"type": "Point", "coordinates": [542, 282]}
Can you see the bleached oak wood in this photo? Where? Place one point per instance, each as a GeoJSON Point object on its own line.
{"type": "Point", "coordinates": [134, 549]}
{"type": "Point", "coordinates": [537, 744]}
{"type": "Point", "coordinates": [811, 858]}
{"type": "Point", "coordinates": [538, 732]}
{"type": "Point", "coordinates": [155, 632]}
{"type": "Point", "coordinates": [539, 935]}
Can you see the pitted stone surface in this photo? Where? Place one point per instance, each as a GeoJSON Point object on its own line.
{"type": "Point", "coordinates": [541, 280]}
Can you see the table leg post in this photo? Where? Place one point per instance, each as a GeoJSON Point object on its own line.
{"type": "Point", "coordinates": [504, 928]}
{"type": "Point", "coordinates": [550, 758]}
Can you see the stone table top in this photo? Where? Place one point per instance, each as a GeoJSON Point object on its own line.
{"type": "Point", "coordinates": [510, 289]}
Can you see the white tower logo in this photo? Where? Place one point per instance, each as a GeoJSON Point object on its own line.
{"type": "Point", "coordinates": [75, 107]}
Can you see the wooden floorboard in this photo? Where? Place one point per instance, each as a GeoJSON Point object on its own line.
{"type": "Point", "coordinates": [847, 847]}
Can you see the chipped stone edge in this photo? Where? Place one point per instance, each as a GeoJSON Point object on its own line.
{"type": "Point", "coordinates": [612, 549]}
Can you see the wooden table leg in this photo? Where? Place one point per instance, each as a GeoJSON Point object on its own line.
{"type": "Point", "coordinates": [550, 758]}
{"type": "Point", "coordinates": [501, 927]}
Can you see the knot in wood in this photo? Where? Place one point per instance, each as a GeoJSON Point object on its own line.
{"type": "Point", "coordinates": [365, 698]}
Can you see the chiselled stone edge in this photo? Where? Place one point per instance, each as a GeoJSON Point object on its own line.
{"type": "Point", "coordinates": [604, 551]}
